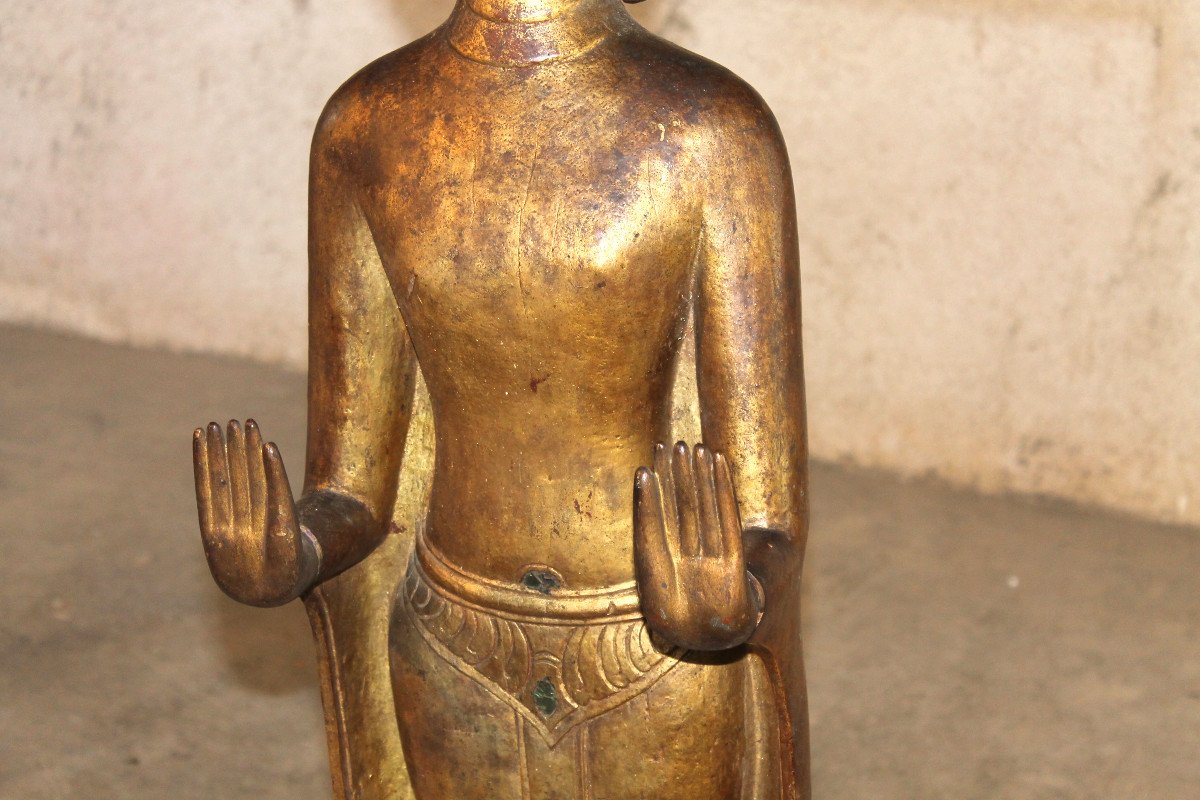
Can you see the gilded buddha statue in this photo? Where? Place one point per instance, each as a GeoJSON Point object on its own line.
{"type": "Point", "coordinates": [544, 244]}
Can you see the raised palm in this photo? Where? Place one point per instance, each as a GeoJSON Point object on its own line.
{"type": "Point", "coordinates": [257, 550]}
{"type": "Point", "coordinates": [693, 583]}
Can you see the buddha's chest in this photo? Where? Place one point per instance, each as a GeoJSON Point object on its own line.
{"type": "Point", "coordinates": [518, 229]}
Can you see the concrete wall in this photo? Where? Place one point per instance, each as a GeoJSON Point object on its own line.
{"type": "Point", "coordinates": [998, 202]}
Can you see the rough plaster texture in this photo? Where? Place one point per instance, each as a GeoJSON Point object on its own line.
{"type": "Point", "coordinates": [997, 199]}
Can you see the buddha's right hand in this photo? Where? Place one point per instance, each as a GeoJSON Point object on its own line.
{"type": "Point", "coordinates": [256, 548]}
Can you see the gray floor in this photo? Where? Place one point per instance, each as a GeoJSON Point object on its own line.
{"type": "Point", "coordinates": [959, 647]}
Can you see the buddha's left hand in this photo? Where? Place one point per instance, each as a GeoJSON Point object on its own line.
{"type": "Point", "coordinates": [695, 589]}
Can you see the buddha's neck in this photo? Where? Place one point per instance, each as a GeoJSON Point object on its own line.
{"type": "Point", "coordinates": [529, 32]}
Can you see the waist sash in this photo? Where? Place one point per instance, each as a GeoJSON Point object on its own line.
{"type": "Point", "coordinates": [559, 657]}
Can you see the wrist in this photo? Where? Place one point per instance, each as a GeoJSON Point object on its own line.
{"type": "Point", "coordinates": [312, 556]}
{"type": "Point", "coordinates": [340, 531]}
{"type": "Point", "coordinates": [758, 596]}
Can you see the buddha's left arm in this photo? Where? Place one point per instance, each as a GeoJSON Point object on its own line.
{"type": "Point", "coordinates": [750, 371]}
{"type": "Point", "coordinates": [749, 361]}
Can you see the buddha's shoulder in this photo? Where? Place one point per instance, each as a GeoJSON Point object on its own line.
{"type": "Point", "coordinates": [383, 84]}
{"type": "Point", "coordinates": [710, 98]}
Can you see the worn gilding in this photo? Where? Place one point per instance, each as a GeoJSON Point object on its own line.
{"type": "Point", "coordinates": [544, 245]}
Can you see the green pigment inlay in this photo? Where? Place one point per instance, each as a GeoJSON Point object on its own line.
{"type": "Point", "coordinates": [545, 697]}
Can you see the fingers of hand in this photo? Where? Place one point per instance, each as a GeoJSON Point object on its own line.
{"type": "Point", "coordinates": [282, 529]}
{"type": "Point", "coordinates": [666, 486]}
{"type": "Point", "coordinates": [203, 485]}
{"type": "Point", "coordinates": [645, 508]}
{"type": "Point", "coordinates": [256, 476]}
{"type": "Point", "coordinates": [712, 542]}
{"type": "Point", "coordinates": [239, 485]}
{"type": "Point", "coordinates": [218, 480]}
{"type": "Point", "coordinates": [731, 522]}
{"type": "Point", "coordinates": [684, 476]}
{"type": "Point", "coordinates": [658, 549]}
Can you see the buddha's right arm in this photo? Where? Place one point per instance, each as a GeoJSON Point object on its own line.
{"type": "Point", "coordinates": [361, 365]}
